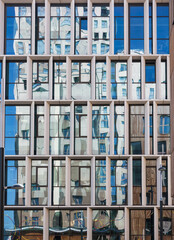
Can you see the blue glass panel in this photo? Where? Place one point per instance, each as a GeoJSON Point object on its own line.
{"type": "Point", "coordinates": [119, 27]}
{"type": "Point", "coordinates": [10, 144]}
{"type": "Point", "coordinates": [11, 126]}
{"type": "Point", "coordinates": [162, 10]}
{"type": "Point", "coordinates": [84, 24]}
{"type": "Point", "coordinates": [9, 47]}
{"type": "Point", "coordinates": [137, 46]}
{"type": "Point", "coordinates": [136, 10]}
{"type": "Point", "coordinates": [163, 46]}
{"type": "Point", "coordinates": [118, 46]}
{"type": "Point", "coordinates": [150, 73]}
{"type": "Point", "coordinates": [163, 27]}
{"type": "Point", "coordinates": [12, 28]}
{"type": "Point", "coordinates": [150, 46]}
{"type": "Point", "coordinates": [150, 27]}
{"type": "Point", "coordinates": [11, 11]}
{"type": "Point", "coordinates": [119, 11]}
{"type": "Point", "coordinates": [136, 28]}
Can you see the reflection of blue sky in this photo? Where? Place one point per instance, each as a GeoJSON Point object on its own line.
{"type": "Point", "coordinates": [12, 76]}
{"type": "Point", "coordinates": [10, 29]}
{"type": "Point", "coordinates": [9, 220]}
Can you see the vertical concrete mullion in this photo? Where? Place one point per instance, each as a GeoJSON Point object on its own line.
{"type": "Point", "coordinates": [32, 128]}
{"type": "Point", "coordinates": [129, 78]}
{"type": "Point", "coordinates": [2, 24]}
{"type": "Point", "coordinates": [29, 77]}
{"type": "Point", "coordinates": [50, 181]}
{"type": "Point", "coordinates": [154, 26]}
{"type": "Point", "coordinates": [143, 88]}
{"type": "Point", "coordinates": [93, 62]}
{"type": "Point", "coordinates": [51, 78]}
{"type": "Point", "coordinates": [168, 77]}
{"type": "Point", "coordinates": [111, 27]}
{"type": "Point", "coordinates": [127, 223]}
{"type": "Point", "coordinates": [111, 128]}
{"type": "Point", "coordinates": [108, 181]}
{"type": "Point", "coordinates": [147, 135]}
{"type": "Point", "coordinates": [89, 27]}
{"type": "Point", "coordinates": [108, 77]}
{"type": "Point", "coordinates": [68, 77]}
{"type": "Point", "coordinates": [72, 128]}
{"type": "Point", "coordinates": [28, 182]}
{"type": "Point", "coordinates": [45, 223]}
{"type": "Point", "coordinates": [158, 78]}
{"type": "Point", "coordinates": [143, 172]}
{"type": "Point", "coordinates": [126, 26]}
{"type": "Point", "coordinates": [89, 133]}
{"type": "Point", "coordinates": [126, 124]}
{"type": "Point", "coordinates": [68, 182]}
{"type": "Point", "coordinates": [72, 25]}
{"type": "Point", "coordinates": [93, 181]}
{"type": "Point", "coordinates": [146, 27]}
{"type": "Point", "coordinates": [155, 128]}
{"type": "Point", "coordinates": [46, 127]}
{"type": "Point", "coordinates": [169, 177]}
{"type": "Point", "coordinates": [158, 162]}
{"type": "Point", "coordinates": [47, 27]}
{"type": "Point", "coordinates": [89, 223]}
{"type": "Point", "coordinates": [156, 226]}
{"type": "Point", "coordinates": [130, 195]}
{"type": "Point", "coordinates": [33, 27]}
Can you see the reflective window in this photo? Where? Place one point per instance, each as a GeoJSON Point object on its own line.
{"type": "Point", "coordinates": [150, 29]}
{"type": "Point", "coordinates": [14, 173]}
{"type": "Point", "coordinates": [39, 182]}
{"type": "Point", "coordinates": [100, 29]}
{"type": "Point", "coordinates": [81, 29]}
{"type": "Point", "coordinates": [100, 182]}
{"type": "Point", "coordinates": [100, 80]}
{"type": "Point", "coordinates": [136, 80]}
{"type": "Point", "coordinates": [17, 130]}
{"type": "Point", "coordinates": [137, 129]}
{"type": "Point", "coordinates": [137, 182]}
{"type": "Point", "coordinates": [165, 182]}
{"type": "Point", "coordinates": [108, 224]}
{"type": "Point", "coordinates": [119, 130]}
{"type": "Point", "coordinates": [18, 30]}
{"type": "Point", "coordinates": [142, 224]}
{"type": "Point", "coordinates": [40, 80]}
{"type": "Point", "coordinates": [59, 83]}
{"type": "Point", "coordinates": [16, 80]}
{"type": "Point", "coordinates": [39, 130]}
{"type": "Point", "coordinates": [162, 28]}
{"type": "Point", "coordinates": [0, 77]}
{"type": "Point", "coordinates": [80, 129]}
{"type": "Point", "coordinates": [60, 29]}
{"type": "Point", "coordinates": [118, 28]}
{"type": "Point", "coordinates": [119, 182]}
{"type": "Point", "coordinates": [68, 224]}
{"type": "Point", "coordinates": [168, 223]}
{"type": "Point", "coordinates": [163, 87]}
{"type": "Point", "coordinates": [136, 28]}
{"type": "Point", "coordinates": [151, 128]}
{"type": "Point", "coordinates": [58, 195]}
{"type": "Point", "coordinates": [100, 130]}
{"type": "Point", "coordinates": [81, 80]}
{"type": "Point", "coordinates": [40, 29]}
{"type": "Point", "coordinates": [151, 182]}
{"type": "Point", "coordinates": [60, 130]}
{"type": "Point", "coordinates": [150, 81]}
{"type": "Point", "coordinates": [80, 182]}
{"type": "Point", "coordinates": [118, 80]}
{"type": "Point", "coordinates": [23, 224]}
{"type": "Point", "coordinates": [163, 129]}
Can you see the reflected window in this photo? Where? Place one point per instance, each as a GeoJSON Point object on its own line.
{"type": "Point", "coordinates": [137, 182]}
{"type": "Point", "coordinates": [150, 29]}
{"type": "Point", "coordinates": [81, 29]}
{"type": "Point", "coordinates": [39, 182]}
{"type": "Point", "coordinates": [17, 130]}
{"type": "Point", "coordinates": [168, 222]}
{"type": "Point", "coordinates": [80, 182]}
{"type": "Point", "coordinates": [100, 29]}
{"type": "Point", "coordinates": [163, 88]}
{"type": "Point", "coordinates": [59, 87]}
{"type": "Point", "coordinates": [60, 29]}
{"type": "Point", "coordinates": [119, 182]}
{"type": "Point", "coordinates": [40, 29]}
{"type": "Point", "coordinates": [118, 28]}
{"type": "Point", "coordinates": [137, 129]}
{"type": "Point", "coordinates": [14, 173]}
{"type": "Point", "coordinates": [81, 80]}
{"type": "Point", "coordinates": [100, 182]}
{"type": "Point", "coordinates": [136, 28]}
{"type": "Point", "coordinates": [80, 125]}
{"type": "Point", "coordinates": [16, 80]}
{"type": "Point", "coordinates": [40, 80]}
{"type": "Point", "coordinates": [136, 80]}
{"type": "Point", "coordinates": [163, 129]}
{"type": "Point", "coordinates": [58, 195]}
{"type": "Point", "coordinates": [18, 30]}
{"type": "Point", "coordinates": [119, 130]}
{"type": "Point", "coordinates": [108, 224]}
{"type": "Point", "coordinates": [151, 182]}
{"type": "Point", "coordinates": [100, 80]}
{"type": "Point", "coordinates": [39, 130]}
{"type": "Point", "coordinates": [162, 28]}
{"type": "Point", "coordinates": [118, 80]}
{"type": "Point", "coordinates": [165, 182]}
{"type": "Point", "coordinates": [60, 130]}
{"type": "Point", "coordinates": [100, 130]}
{"type": "Point", "coordinates": [150, 80]}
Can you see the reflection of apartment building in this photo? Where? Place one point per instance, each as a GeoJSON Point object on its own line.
{"type": "Point", "coordinates": [87, 119]}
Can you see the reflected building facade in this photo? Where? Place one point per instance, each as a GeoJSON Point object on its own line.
{"type": "Point", "coordinates": [87, 119]}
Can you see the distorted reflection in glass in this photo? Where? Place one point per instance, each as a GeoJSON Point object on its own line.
{"type": "Point", "coordinates": [39, 182]}
{"type": "Point", "coordinates": [60, 130]}
{"type": "Point", "coordinates": [100, 29]}
{"type": "Point", "coordinates": [59, 182]}
{"type": "Point", "coordinates": [137, 182]}
{"type": "Point", "coordinates": [119, 182]}
{"type": "Point", "coordinates": [80, 182]}
{"type": "Point", "coordinates": [150, 81]}
{"type": "Point", "coordinates": [16, 80]}
{"type": "Point", "coordinates": [151, 184]}
{"type": "Point", "coordinates": [100, 130]}
{"type": "Point", "coordinates": [60, 29]}
{"type": "Point", "coordinates": [40, 80]}
{"type": "Point", "coordinates": [163, 87]}
{"type": "Point", "coordinates": [14, 173]}
{"type": "Point", "coordinates": [165, 182]}
{"type": "Point", "coordinates": [100, 182]}
{"type": "Point", "coordinates": [81, 29]}
{"type": "Point", "coordinates": [137, 129]}
{"type": "Point", "coordinates": [136, 80]}
{"type": "Point", "coordinates": [119, 130]}
{"type": "Point", "coordinates": [118, 80]}
{"type": "Point", "coordinates": [18, 30]}
{"type": "Point", "coordinates": [81, 80]}
{"type": "Point", "coordinates": [118, 28]}
{"type": "Point", "coordinates": [80, 130]}
{"type": "Point", "coordinates": [60, 89]}
{"type": "Point", "coordinates": [17, 130]}
{"type": "Point", "coordinates": [39, 130]}
{"type": "Point", "coordinates": [40, 29]}
{"type": "Point", "coordinates": [100, 80]}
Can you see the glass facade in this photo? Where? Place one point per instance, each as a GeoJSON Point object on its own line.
{"type": "Point", "coordinates": [40, 29]}
{"type": "Point", "coordinates": [118, 28]}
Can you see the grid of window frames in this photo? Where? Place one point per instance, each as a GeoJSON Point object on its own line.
{"type": "Point", "coordinates": [59, 82]}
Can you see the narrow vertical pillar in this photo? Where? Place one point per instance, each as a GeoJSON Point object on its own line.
{"type": "Point", "coordinates": [143, 87]}
{"type": "Point", "coordinates": [158, 78]}
{"type": "Point", "coordinates": [130, 195]}
{"type": "Point", "coordinates": [45, 223]}
{"type": "Point", "coordinates": [89, 27]}
{"type": "Point", "coordinates": [126, 124]}
{"type": "Point", "coordinates": [147, 135]}
{"type": "Point", "coordinates": [89, 223]}
{"type": "Point", "coordinates": [146, 27]}
{"type": "Point", "coordinates": [154, 26]}
{"type": "Point", "coordinates": [72, 25]}
{"type": "Point", "coordinates": [158, 163]}
{"type": "Point", "coordinates": [32, 128]}
{"type": "Point", "coordinates": [89, 129]}
{"type": "Point", "coordinates": [29, 78]}
{"type": "Point", "coordinates": [111, 27]}
{"type": "Point", "coordinates": [33, 41]}
{"type": "Point", "coordinates": [68, 182]}
{"type": "Point", "coordinates": [108, 181]}
{"type": "Point", "coordinates": [50, 177]}
{"type": "Point", "coordinates": [68, 77]}
{"type": "Point", "coordinates": [126, 26]}
{"type": "Point", "coordinates": [129, 78]}
{"type": "Point", "coordinates": [2, 10]}
{"type": "Point", "coordinates": [47, 27]}
{"type": "Point", "coordinates": [108, 77]}
{"type": "Point", "coordinates": [143, 174]}
{"type": "Point", "coordinates": [93, 181]}
{"type": "Point", "coordinates": [28, 182]}
{"type": "Point", "coordinates": [72, 128]}
{"type": "Point", "coordinates": [51, 67]}
{"type": "Point", "coordinates": [46, 127]}
{"type": "Point", "coordinates": [111, 128]}
{"type": "Point", "coordinates": [93, 77]}
{"type": "Point", "coordinates": [155, 128]}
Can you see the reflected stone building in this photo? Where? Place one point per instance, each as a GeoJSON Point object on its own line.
{"type": "Point", "coordinates": [87, 119]}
